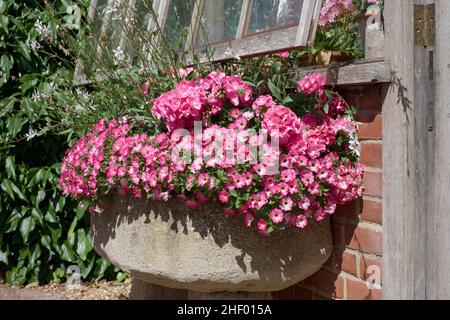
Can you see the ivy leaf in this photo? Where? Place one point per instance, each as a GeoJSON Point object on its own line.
{"type": "Point", "coordinates": [60, 204]}
{"type": "Point", "coordinates": [102, 265]}
{"type": "Point", "coordinates": [72, 227]}
{"type": "Point", "coordinates": [7, 186]}
{"type": "Point", "coordinates": [46, 241]}
{"type": "Point", "coordinates": [6, 63]}
{"type": "Point", "coordinates": [24, 51]}
{"type": "Point", "coordinates": [34, 254]}
{"type": "Point", "coordinates": [79, 212]}
{"type": "Point", "coordinates": [28, 81]}
{"type": "Point", "coordinates": [10, 167]}
{"type": "Point", "coordinates": [4, 20]}
{"type": "Point", "coordinates": [67, 252]}
{"type": "Point", "coordinates": [37, 215]}
{"type": "Point", "coordinates": [84, 245]}
{"type": "Point", "coordinates": [50, 216]}
{"type": "Point", "coordinates": [13, 221]}
{"type": "Point", "coordinates": [4, 253]}
{"type": "Point", "coordinates": [40, 197]}
{"type": "Point", "coordinates": [19, 192]}
{"type": "Point", "coordinates": [14, 125]}
{"type": "Point", "coordinates": [121, 276]}
{"type": "Point", "coordinates": [29, 107]}
{"type": "Point", "coordinates": [26, 226]}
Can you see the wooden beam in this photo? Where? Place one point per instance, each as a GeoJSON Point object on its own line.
{"type": "Point", "coordinates": [442, 153]}
{"type": "Point", "coordinates": [407, 156]}
{"type": "Point", "coordinates": [358, 72]}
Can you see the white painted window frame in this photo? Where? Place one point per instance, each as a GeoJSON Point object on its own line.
{"type": "Point", "coordinates": [301, 35]}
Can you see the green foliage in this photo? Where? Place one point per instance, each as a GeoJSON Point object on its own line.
{"type": "Point", "coordinates": [41, 231]}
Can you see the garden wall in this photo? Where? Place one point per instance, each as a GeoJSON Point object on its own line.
{"type": "Point", "coordinates": [357, 227]}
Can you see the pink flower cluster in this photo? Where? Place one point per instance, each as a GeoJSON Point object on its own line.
{"type": "Point", "coordinates": [316, 171]}
{"type": "Point", "coordinates": [332, 9]}
{"type": "Point", "coordinates": [311, 84]}
{"type": "Point", "coordinates": [194, 100]}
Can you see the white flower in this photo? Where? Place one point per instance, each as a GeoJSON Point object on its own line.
{"type": "Point", "coordinates": [119, 55]}
{"type": "Point", "coordinates": [354, 145]}
{"type": "Point", "coordinates": [79, 109]}
{"type": "Point", "coordinates": [111, 9]}
{"type": "Point", "coordinates": [42, 30]}
{"type": "Point", "coordinates": [36, 96]}
{"type": "Point", "coordinates": [31, 134]}
{"type": "Point", "coordinates": [33, 44]}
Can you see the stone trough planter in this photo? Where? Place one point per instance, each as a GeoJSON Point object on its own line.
{"type": "Point", "coordinates": [175, 252]}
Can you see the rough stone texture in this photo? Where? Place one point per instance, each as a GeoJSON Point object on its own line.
{"type": "Point", "coordinates": [203, 250]}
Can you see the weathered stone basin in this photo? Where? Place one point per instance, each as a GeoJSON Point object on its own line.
{"type": "Point", "coordinates": [169, 245]}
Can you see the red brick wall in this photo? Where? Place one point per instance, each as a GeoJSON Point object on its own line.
{"type": "Point", "coordinates": [356, 227]}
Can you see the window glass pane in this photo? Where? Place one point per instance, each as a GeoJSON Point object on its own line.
{"type": "Point", "coordinates": [143, 9]}
{"type": "Point", "coordinates": [139, 29]}
{"type": "Point", "coordinates": [178, 21]}
{"type": "Point", "coordinates": [106, 27]}
{"type": "Point", "coordinates": [97, 21]}
{"type": "Point", "coordinates": [219, 22]}
{"type": "Point", "coordinates": [270, 14]}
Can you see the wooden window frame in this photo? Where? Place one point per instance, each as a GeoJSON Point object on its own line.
{"type": "Point", "coordinates": [245, 45]}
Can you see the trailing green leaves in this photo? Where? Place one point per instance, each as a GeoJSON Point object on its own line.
{"type": "Point", "coordinates": [42, 233]}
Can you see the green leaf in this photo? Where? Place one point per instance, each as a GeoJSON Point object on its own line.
{"type": "Point", "coordinates": [72, 227]}
{"type": "Point", "coordinates": [58, 274]}
{"type": "Point", "coordinates": [60, 204]}
{"type": "Point", "coordinates": [37, 215]}
{"type": "Point", "coordinates": [14, 126]}
{"type": "Point", "coordinates": [8, 103]}
{"type": "Point", "coordinates": [13, 221]}
{"type": "Point", "coordinates": [19, 192]}
{"type": "Point", "coordinates": [35, 254]}
{"type": "Point", "coordinates": [7, 186]}
{"type": "Point", "coordinates": [55, 233]}
{"type": "Point", "coordinates": [84, 245]}
{"type": "Point", "coordinates": [102, 265]}
{"type": "Point", "coordinates": [29, 81]}
{"type": "Point", "coordinates": [121, 276]}
{"type": "Point", "coordinates": [4, 20]}
{"type": "Point", "coordinates": [81, 210]}
{"type": "Point", "coordinates": [40, 197]}
{"type": "Point", "coordinates": [326, 108]}
{"type": "Point", "coordinates": [276, 92]}
{"type": "Point", "coordinates": [287, 100]}
{"type": "Point", "coordinates": [50, 216]}
{"type": "Point", "coordinates": [16, 276]}
{"type": "Point", "coordinates": [26, 226]}
{"type": "Point", "coordinates": [4, 253]}
{"type": "Point", "coordinates": [10, 167]}
{"type": "Point", "coordinates": [6, 63]}
{"type": "Point", "coordinates": [24, 50]}
{"type": "Point", "coordinates": [67, 252]}
{"type": "Point", "coordinates": [86, 265]}
{"type": "Point", "coordinates": [46, 241]}
{"type": "Point", "coordinates": [39, 177]}
{"type": "Point", "coordinates": [29, 107]}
